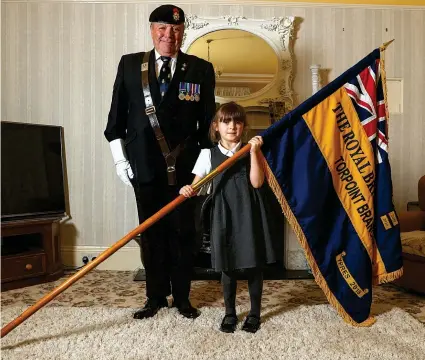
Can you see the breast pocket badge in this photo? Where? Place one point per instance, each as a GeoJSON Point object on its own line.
{"type": "Point", "coordinates": [189, 91]}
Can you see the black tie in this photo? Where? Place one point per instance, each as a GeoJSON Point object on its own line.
{"type": "Point", "coordinates": [164, 77]}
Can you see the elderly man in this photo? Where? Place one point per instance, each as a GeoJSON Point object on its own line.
{"type": "Point", "coordinates": [162, 105]}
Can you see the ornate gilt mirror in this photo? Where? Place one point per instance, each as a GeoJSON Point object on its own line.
{"type": "Point", "coordinates": [252, 60]}
{"type": "Point", "coordinates": [243, 62]}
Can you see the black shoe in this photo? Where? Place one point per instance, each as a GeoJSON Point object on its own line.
{"type": "Point", "coordinates": [150, 309]}
{"type": "Point", "coordinates": [228, 324]}
{"type": "Point", "coordinates": [187, 310]}
{"type": "Point", "coordinates": [252, 324]}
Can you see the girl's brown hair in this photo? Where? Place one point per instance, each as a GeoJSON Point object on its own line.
{"type": "Point", "coordinates": [226, 113]}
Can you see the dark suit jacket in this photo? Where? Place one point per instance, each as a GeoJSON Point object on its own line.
{"type": "Point", "coordinates": [178, 119]}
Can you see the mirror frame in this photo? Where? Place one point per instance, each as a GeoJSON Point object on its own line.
{"type": "Point", "coordinates": [278, 32]}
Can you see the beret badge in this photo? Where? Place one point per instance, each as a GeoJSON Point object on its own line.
{"type": "Point", "coordinates": [176, 15]}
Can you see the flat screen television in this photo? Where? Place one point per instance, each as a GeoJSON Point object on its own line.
{"type": "Point", "coordinates": [32, 171]}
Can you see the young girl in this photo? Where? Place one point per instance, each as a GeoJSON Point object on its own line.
{"type": "Point", "coordinates": [240, 231]}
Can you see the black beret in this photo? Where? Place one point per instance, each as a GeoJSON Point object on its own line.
{"type": "Point", "coordinates": [167, 14]}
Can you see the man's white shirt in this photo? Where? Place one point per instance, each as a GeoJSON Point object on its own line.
{"type": "Point", "coordinates": [158, 64]}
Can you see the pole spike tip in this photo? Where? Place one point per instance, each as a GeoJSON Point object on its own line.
{"type": "Point", "coordinates": [385, 45]}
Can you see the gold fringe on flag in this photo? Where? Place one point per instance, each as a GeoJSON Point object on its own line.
{"type": "Point", "coordinates": [386, 278]}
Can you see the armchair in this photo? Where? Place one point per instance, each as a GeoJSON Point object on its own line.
{"type": "Point", "coordinates": [412, 226]}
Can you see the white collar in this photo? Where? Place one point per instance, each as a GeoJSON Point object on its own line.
{"type": "Point", "coordinates": [230, 152]}
{"type": "Point", "coordinates": [158, 56]}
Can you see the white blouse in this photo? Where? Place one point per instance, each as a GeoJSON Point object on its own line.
{"type": "Point", "coordinates": [203, 164]}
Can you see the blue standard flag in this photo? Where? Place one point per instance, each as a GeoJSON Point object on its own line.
{"type": "Point", "coordinates": [327, 163]}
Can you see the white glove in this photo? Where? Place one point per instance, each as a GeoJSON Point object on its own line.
{"type": "Point", "coordinates": [121, 163]}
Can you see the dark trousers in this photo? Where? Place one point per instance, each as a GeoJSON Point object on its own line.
{"type": "Point", "coordinates": [255, 287]}
{"type": "Point", "coordinates": [167, 246]}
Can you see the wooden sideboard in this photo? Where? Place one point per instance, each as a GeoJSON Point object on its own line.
{"type": "Point", "coordinates": [30, 252]}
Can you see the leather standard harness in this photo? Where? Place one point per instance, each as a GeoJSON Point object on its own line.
{"type": "Point", "coordinates": [169, 156]}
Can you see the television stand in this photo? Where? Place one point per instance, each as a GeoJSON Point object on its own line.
{"type": "Point", "coordinates": [30, 252]}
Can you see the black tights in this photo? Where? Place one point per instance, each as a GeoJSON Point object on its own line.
{"type": "Point", "coordinates": [255, 286]}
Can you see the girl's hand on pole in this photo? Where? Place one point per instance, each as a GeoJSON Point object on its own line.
{"type": "Point", "coordinates": [256, 143]}
{"type": "Point", "coordinates": [187, 191]}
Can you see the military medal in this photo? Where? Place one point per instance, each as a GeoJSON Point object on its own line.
{"type": "Point", "coordinates": [192, 91]}
{"type": "Point", "coordinates": [197, 92]}
{"type": "Point", "coordinates": [181, 90]}
{"type": "Point", "coordinates": [187, 97]}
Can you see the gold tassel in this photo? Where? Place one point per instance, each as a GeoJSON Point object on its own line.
{"type": "Point", "coordinates": [386, 278]}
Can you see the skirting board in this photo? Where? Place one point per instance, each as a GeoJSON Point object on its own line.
{"type": "Point", "coordinates": [209, 274]}
{"type": "Point", "coordinates": [295, 260]}
{"type": "Point", "coordinates": [126, 259]}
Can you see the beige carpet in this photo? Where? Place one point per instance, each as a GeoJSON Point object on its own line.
{"type": "Point", "coordinates": [304, 332]}
{"type": "Point", "coordinates": [117, 289]}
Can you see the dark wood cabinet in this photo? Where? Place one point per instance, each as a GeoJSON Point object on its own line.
{"type": "Point", "coordinates": [30, 252]}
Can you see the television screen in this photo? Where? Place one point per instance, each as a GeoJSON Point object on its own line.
{"type": "Point", "coordinates": [32, 176]}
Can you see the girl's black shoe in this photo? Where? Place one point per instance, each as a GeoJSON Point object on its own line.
{"type": "Point", "coordinates": [228, 325]}
{"type": "Point", "coordinates": [252, 324]}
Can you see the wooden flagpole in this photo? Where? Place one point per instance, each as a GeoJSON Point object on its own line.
{"type": "Point", "coordinates": [119, 244]}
